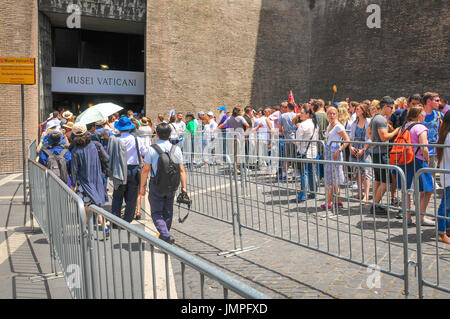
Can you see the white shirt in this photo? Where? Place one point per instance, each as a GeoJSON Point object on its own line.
{"type": "Point", "coordinates": [153, 156]}
{"type": "Point", "coordinates": [333, 135]}
{"type": "Point", "coordinates": [180, 126]}
{"type": "Point", "coordinates": [306, 131]}
{"type": "Point", "coordinates": [174, 132]}
{"type": "Point", "coordinates": [209, 129]}
{"type": "Point", "coordinates": [275, 117]}
{"type": "Point", "coordinates": [263, 131]}
{"type": "Point", "coordinates": [130, 143]}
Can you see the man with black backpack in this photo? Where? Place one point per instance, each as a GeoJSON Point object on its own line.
{"type": "Point", "coordinates": [398, 118]}
{"type": "Point", "coordinates": [56, 158]}
{"type": "Point", "coordinates": [164, 163]}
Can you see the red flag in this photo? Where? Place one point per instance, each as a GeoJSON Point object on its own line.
{"type": "Point", "coordinates": [291, 100]}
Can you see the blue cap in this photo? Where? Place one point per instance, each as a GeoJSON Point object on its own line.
{"type": "Point", "coordinates": [124, 124]}
{"type": "Point", "coordinates": [222, 108]}
{"type": "Point", "coordinates": [336, 104]}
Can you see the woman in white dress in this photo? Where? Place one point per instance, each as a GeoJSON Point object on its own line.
{"type": "Point", "coordinates": [333, 152]}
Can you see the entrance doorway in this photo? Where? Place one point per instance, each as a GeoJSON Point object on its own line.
{"type": "Point", "coordinates": [77, 103]}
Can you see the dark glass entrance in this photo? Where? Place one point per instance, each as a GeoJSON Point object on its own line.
{"type": "Point", "coordinates": [77, 103]}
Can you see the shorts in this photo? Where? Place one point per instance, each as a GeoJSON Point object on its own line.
{"type": "Point", "coordinates": [380, 174]}
{"type": "Point", "coordinates": [425, 180]}
{"type": "Point", "coordinates": [86, 199]}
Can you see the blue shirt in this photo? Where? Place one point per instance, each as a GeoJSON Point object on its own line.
{"type": "Point", "coordinates": [153, 156]}
{"type": "Point", "coordinates": [433, 122]}
{"type": "Point", "coordinates": [57, 150]}
{"type": "Point", "coordinates": [287, 126]}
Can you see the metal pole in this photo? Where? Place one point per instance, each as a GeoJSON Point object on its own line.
{"type": "Point", "coordinates": [23, 148]}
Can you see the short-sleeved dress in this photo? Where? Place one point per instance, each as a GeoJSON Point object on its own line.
{"type": "Point", "coordinates": [334, 173]}
{"type": "Point", "coordinates": [358, 134]}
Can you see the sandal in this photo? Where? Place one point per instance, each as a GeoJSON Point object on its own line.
{"type": "Point", "coordinates": [444, 238]}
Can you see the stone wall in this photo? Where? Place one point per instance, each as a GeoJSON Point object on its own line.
{"type": "Point", "coordinates": [203, 54]}
{"type": "Point", "coordinates": [408, 54]}
{"type": "Point", "coordinates": [200, 54]}
{"type": "Point", "coordinates": [45, 67]}
{"type": "Point", "coordinates": [18, 38]}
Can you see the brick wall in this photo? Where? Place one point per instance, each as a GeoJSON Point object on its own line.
{"type": "Point", "coordinates": [204, 54]}
{"type": "Point", "coordinates": [200, 54]}
{"type": "Point", "coordinates": [408, 54]}
{"type": "Point", "coordinates": [18, 38]}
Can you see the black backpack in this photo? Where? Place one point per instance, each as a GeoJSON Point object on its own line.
{"type": "Point", "coordinates": [397, 119]}
{"type": "Point", "coordinates": [168, 173]}
{"type": "Point", "coordinates": [57, 164]}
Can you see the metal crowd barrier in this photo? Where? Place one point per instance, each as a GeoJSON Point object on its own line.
{"type": "Point", "coordinates": [122, 275]}
{"type": "Point", "coordinates": [32, 152]}
{"type": "Point", "coordinates": [60, 214]}
{"type": "Point", "coordinates": [432, 256]}
{"type": "Point", "coordinates": [256, 198]}
{"type": "Point", "coordinates": [96, 265]}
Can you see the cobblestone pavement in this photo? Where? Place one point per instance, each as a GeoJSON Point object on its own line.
{"type": "Point", "coordinates": [282, 266]}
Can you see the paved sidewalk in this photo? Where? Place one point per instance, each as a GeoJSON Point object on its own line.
{"type": "Point", "coordinates": [24, 253]}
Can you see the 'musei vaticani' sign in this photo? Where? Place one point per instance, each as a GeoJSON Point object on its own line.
{"type": "Point", "coordinates": [69, 80]}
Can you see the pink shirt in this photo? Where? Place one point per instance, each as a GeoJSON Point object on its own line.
{"type": "Point", "coordinates": [445, 109]}
{"type": "Point", "coordinates": [415, 133]}
{"type": "Point", "coordinates": [275, 117]}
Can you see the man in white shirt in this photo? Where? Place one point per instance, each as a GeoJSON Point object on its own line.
{"type": "Point", "coordinates": [134, 153]}
{"type": "Point", "coordinates": [162, 203]}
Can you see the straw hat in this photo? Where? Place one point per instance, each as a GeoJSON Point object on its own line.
{"type": "Point", "coordinates": [68, 125]}
{"type": "Point", "coordinates": [67, 115]}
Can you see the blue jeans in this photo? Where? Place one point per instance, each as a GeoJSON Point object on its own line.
{"type": "Point", "coordinates": [280, 154]}
{"type": "Point", "coordinates": [161, 206]}
{"type": "Point", "coordinates": [129, 192]}
{"type": "Point", "coordinates": [444, 211]}
{"type": "Point", "coordinates": [308, 180]}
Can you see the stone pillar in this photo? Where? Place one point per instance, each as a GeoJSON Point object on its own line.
{"type": "Point", "coordinates": [45, 67]}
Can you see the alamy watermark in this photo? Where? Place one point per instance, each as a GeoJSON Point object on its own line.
{"type": "Point", "coordinates": [74, 19]}
{"type": "Point", "coordinates": [73, 276]}
{"type": "Point", "coordinates": [374, 279]}
{"type": "Point", "coordinates": [374, 19]}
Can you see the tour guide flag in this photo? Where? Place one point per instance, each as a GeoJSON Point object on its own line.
{"type": "Point", "coordinates": [291, 100]}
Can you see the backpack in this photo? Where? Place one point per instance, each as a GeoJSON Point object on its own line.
{"type": "Point", "coordinates": [397, 118]}
{"type": "Point", "coordinates": [402, 154]}
{"type": "Point", "coordinates": [168, 173]}
{"type": "Point", "coordinates": [57, 164]}
{"type": "Point", "coordinates": [103, 162]}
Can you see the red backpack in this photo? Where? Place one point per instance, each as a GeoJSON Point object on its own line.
{"type": "Point", "coordinates": [403, 154]}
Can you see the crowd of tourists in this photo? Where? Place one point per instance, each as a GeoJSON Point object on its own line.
{"type": "Point", "coordinates": [350, 131]}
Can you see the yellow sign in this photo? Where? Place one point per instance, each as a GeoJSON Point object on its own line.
{"type": "Point", "coordinates": [335, 88]}
{"type": "Point", "coordinates": [17, 71]}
